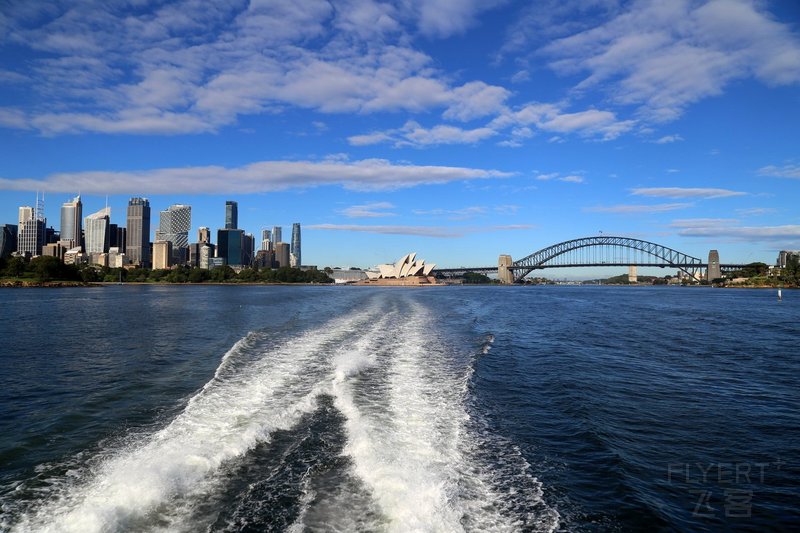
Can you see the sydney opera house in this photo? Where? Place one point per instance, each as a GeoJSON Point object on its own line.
{"type": "Point", "coordinates": [408, 270]}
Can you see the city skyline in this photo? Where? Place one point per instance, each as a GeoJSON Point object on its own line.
{"type": "Point", "coordinates": [460, 132]}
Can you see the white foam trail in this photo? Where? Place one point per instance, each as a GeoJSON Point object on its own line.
{"type": "Point", "coordinates": [408, 457]}
{"type": "Point", "coordinates": [408, 438]}
{"type": "Point", "coordinates": [231, 414]}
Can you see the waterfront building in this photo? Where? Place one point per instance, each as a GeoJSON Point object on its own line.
{"type": "Point", "coordinates": [204, 235]}
{"type": "Point", "coordinates": [138, 245]}
{"type": "Point", "coordinates": [206, 256]}
{"type": "Point", "coordinates": [71, 219]}
{"type": "Point", "coordinates": [215, 262]}
{"type": "Point", "coordinates": [196, 251]}
{"type": "Point", "coordinates": [295, 251]}
{"type": "Point", "coordinates": [785, 255]}
{"type": "Point", "coordinates": [31, 231]}
{"type": "Point", "coordinates": [276, 235]}
{"type": "Point", "coordinates": [229, 246]}
{"type": "Point", "coordinates": [282, 254]}
{"type": "Point", "coordinates": [231, 215]}
{"type": "Point", "coordinates": [54, 250]}
{"type": "Point", "coordinates": [266, 241]}
{"type": "Point", "coordinates": [248, 249]}
{"type": "Point", "coordinates": [162, 254]}
{"type": "Point", "coordinates": [117, 237]}
{"type": "Point", "coordinates": [174, 225]}
{"type": "Point", "coordinates": [116, 257]}
{"type": "Point", "coordinates": [98, 231]}
{"type": "Point", "coordinates": [265, 258]}
{"type": "Point", "coordinates": [8, 239]}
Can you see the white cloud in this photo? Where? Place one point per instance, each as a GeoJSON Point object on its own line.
{"type": "Point", "coordinates": [419, 231]}
{"type": "Point", "coordinates": [372, 210]}
{"type": "Point", "coordinates": [664, 56]}
{"type": "Point", "coordinates": [667, 139]}
{"type": "Point", "coordinates": [705, 222]}
{"type": "Point", "coordinates": [786, 171]}
{"type": "Point", "coordinates": [634, 209]}
{"type": "Point", "coordinates": [685, 192]}
{"type": "Point", "coordinates": [194, 67]}
{"type": "Point", "coordinates": [756, 211]}
{"type": "Point", "coordinates": [415, 135]}
{"type": "Point", "coordinates": [553, 118]}
{"type": "Point", "coordinates": [778, 236]}
{"type": "Point", "coordinates": [364, 175]}
{"type": "Point", "coordinates": [572, 179]}
{"type": "Point", "coordinates": [453, 214]}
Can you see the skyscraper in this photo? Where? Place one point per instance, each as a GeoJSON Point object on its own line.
{"type": "Point", "coordinates": [229, 246]}
{"type": "Point", "coordinates": [71, 218]}
{"type": "Point", "coordinates": [276, 235]}
{"type": "Point", "coordinates": [98, 231]}
{"type": "Point", "coordinates": [204, 235]}
{"type": "Point", "coordinates": [8, 239]}
{"type": "Point", "coordinates": [248, 249]}
{"type": "Point", "coordinates": [138, 247]}
{"type": "Point", "coordinates": [282, 256]}
{"type": "Point", "coordinates": [174, 224]}
{"type": "Point", "coordinates": [31, 231]}
{"type": "Point", "coordinates": [266, 242]}
{"type": "Point", "coordinates": [231, 215]}
{"type": "Point", "coordinates": [296, 257]}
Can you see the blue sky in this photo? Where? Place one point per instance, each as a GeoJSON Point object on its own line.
{"type": "Point", "coordinates": [457, 129]}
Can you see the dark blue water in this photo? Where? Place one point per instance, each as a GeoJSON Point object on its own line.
{"type": "Point", "coordinates": [142, 408]}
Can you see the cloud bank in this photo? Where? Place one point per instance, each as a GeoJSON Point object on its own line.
{"type": "Point", "coordinates": [264, 176]}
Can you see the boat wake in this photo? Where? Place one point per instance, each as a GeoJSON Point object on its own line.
{"type": "Point", "coordinates": [413, 453]}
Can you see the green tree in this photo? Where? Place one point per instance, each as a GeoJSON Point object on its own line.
{"type": "Point", "coordinates": [15, 267]}
{"type": "Point", "coordinates": [46, 268]}
{"type": "Point", "coordinates": [475, 278]}
{"type": "Point", "coordinates": [198, 275]}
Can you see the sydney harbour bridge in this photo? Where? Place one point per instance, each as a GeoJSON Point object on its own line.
{"type": "Point", "coordinates": [601, 251]}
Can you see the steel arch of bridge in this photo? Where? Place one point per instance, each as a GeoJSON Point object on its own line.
{"type": "Point", "coordinates": [558, 255]}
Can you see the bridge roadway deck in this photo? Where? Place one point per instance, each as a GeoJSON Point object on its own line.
{"type": "Point", "coordinates": [484, 270]}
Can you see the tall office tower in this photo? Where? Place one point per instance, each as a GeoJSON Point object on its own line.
{"type": "Point", "coordinates": [248, 249]}
{"type": "Point", "coordinates": [276, 235]}
{"type": "Point", "coordinates": [296, 257]}
{"type": "Point", "coordinates": [71, 218]}
{"type": "Point", "coordinates": [117, 238]}
{"type": "Point", "coordinates": [138, 247]}
{"type": "Point", "coordinates": [229, 246]}
{"type": "Point", "coordinates": [266, 242]}
{"type": "Point", "coordinates": [162, 254]}
{"type": "Point", "coordinates": [8, 239]}
{"type": "Point", "coordinates": [31, 231]}
{"type": "Point", "coordinates": [204, 235]}
{"type": "Point", "coordinates": [98, 231]}
{"type": "Point", "coordinates": [231, 215]}
{"type": "Point", "coordinates": [282, 254]}
{"type": "Point", "coordinates": [174, 226]}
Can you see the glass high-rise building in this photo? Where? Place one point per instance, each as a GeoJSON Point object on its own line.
{"type": "Point", "coordinates": [231, 215]}
{"type": "Point", "coordinates": [229, 246]}
{"type": "Point", "coordinates": [276, 235]}
{"type": "Point", "coordinates": [98, 228]}
{"type": "Point", "coordinates": [71, 218]}
{"type": "Point", "coordinates": [8, 239]}
{"type": "Point", "coordinates": [296, 256]}
{"type": "Point", "coordinates": [138, 246]}
{"type": "Point", "coordinates": [174, 225]}
{"type": "Point", "coordinates": [266, 241]}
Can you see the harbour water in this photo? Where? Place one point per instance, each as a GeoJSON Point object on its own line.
{"type": "Point", "coordinates": [226, 408]}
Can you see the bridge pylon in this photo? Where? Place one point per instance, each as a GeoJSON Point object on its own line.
{"type": "Point", "coordinates": [505, 274]}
